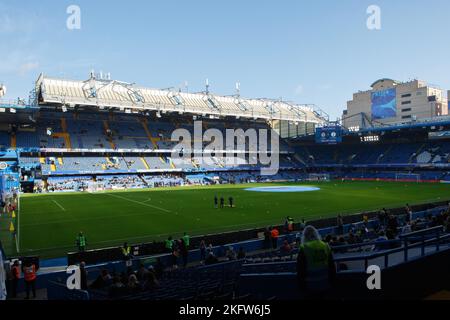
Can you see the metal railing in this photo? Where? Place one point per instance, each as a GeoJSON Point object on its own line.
{"type": "Point", "coordinates": [419, 239]}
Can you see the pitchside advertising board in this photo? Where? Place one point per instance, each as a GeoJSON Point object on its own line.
{"type": "Point", "coordinates": [329, 135]}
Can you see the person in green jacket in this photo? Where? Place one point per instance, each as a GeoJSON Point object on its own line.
{"type": "Point", "coordinates": [315, 265]}
{"type": "Point", "coordinates": [81, 242]}
{"type": "Point", "coordinates": [186, 240]}
{"type": "Point", "coordinates": [168, 244]}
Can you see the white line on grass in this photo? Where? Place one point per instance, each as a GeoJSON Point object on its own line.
{"type": "Point", "coordinates": [60, 206]}
{"type": "Point", "coordinates": [138, 202]}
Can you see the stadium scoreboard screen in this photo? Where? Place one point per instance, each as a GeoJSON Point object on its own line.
{"type": "Point", "coordinates": [329, 135]}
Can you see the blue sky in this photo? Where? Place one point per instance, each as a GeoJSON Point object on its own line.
{"type": "Point", "coordinates": [317, 51]}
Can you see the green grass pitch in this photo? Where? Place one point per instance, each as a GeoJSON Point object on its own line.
{"type": "Point", "coordinates": [49, 223]}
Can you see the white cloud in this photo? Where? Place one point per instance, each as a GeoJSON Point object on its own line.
{"type": "Point", "coordinates": [18, 62]}
{"type": "Point", "coordinates": [27, 67]}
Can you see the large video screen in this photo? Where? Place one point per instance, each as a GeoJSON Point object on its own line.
{"type": "Point", "coordinates": [329, 135]}
{"type": "Point", "coordinates": [384, 104]}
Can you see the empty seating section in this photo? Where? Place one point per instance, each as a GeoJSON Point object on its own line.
{"type": "Point", "coordinates": [5, 140]}
{"type": "Point", "coordinates": [87, 133]}
{"type": "Point", "coordinates": [400, 153]}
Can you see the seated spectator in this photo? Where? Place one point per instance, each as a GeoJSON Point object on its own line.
{"type": "Point", "coordinates": [230, 253]}
{"type": "Point", "coordinates": [103, 280]}
{"type": "Point", "coordinates": [286, 248]}
{"type": "Point", "coordinates": [133, 284]}
{"type": "Point", "coordinates": [158, 268]}
{"type": "Point", "coordinates": [151, 281]}
{"type": "Point", "coordinates": [407, 228]}
{"type": "Point", "coordinates": [447, 225]}
{"type": "Point", "coordinates": [211, 259]}
{"type": "Point", "coordinates": [117, 288]}
{"type": "Point", "coordinates": [241, 254]}
{"type": "Point", "coordinates": [83, 276]}
{"type": "Point", "coordinates": [142, 273]}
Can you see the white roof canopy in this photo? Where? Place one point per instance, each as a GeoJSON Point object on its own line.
{"type": "Point", "coordinates": [125, 96]}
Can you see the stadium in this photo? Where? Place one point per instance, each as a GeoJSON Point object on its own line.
{"type": "Point", "coordinates": [116, 191]}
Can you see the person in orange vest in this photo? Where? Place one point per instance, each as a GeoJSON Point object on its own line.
{"type": "Point", "coordinates": [15, 276]}
{"type": "Point", "coordinates": [274, 234]}
{"type": "Point", "coordinates": [29, 274]}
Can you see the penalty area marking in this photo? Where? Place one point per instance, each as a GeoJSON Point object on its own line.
{"type": "Point", "coordinates": [138, 202]}
{"type": "Point", "coordinates": [60, 206]}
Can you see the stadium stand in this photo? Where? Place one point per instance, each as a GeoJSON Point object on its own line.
{"type": "Point", "coordinates": [115, 136]}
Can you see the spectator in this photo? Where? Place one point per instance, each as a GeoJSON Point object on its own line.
{"type": "Point", "coordinates": [286, 248]}
{"type": "Point", "coordinates": [382, 217]}
{"type": "Point", "coordinates": [102, 281]}
{"type": "Point", "coordinates": [241, 254]}
{"type": "Point", "coordinates": [274, 234]}
{"type": "Point", "coordinates": [184, 252]}
{"type": "Point", "coordinates": [15, 277]}
{"type": "Point", "coordinates": [169, 244]}
{"type": "Point", "coordinates": [186, 240]}
{"type": "Point", "coordinates": [133, 283]}
{"type": "Point", "coordinates": [152, 280]}
{"type": "Point", "coordinates": [203, 250]}
{"type": "Point", "coordinates": [117, 288]}
{"type": "Point", "coordinates": [315, 266]}
{"type": "Point", "coordinates": [175, 255]}
{"type": "Point", "coordinates": [447, 225]}
{"type": "Point", "coordinates": [409, 213]}
{"type": "Point", "coordinates": [230, 254]}
{"type": "Point", "coordinates": [142, 273]}
{"type": "Point", "coordinates": [126, 252]}
{"type": "Point", "coordinates": [83, 276]}
{"type": "Point", "coordinates": [211, 259]}
{"type": "Point", "coordinates": [393, 225]}
{"type": "Point", "coordinates": [81, 242]}
{"type": "Point", "coordinates": [158, 268]}
{"type": "Point", "coordinates": [29, 273]}
{"type": "Point", "coordinates": [340, 225]}
{"type": "Point", "coordinates": [267, 238]}
{"type": "Point", "coordinates": [407, 228]}
{"type": "Point", "coordinates": [302, 225]}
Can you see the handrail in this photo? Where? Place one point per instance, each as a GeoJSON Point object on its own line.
{"type": "Point", "coordinates": [405, 248]}
{"type": "Point", "coordinates": [438, 229]}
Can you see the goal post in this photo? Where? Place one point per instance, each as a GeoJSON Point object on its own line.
{"type": "Point", "coordinates": [95, 186]}
{"type": "Point", "coordinates": [408, 177]}
{"type": "Point", "coordinates": [319, 177]}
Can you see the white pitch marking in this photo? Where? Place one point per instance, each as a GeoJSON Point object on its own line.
{"type": "Point", "coordinates": [60, 206]}
{"type": "Point", "coordinates": [138, 202]}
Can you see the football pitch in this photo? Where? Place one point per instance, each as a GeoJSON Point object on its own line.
{"type": "Point", "coordinates": [49, 223]}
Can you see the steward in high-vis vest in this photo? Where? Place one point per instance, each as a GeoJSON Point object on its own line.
{"type": "Point", "coordinates": [29, 275]}
{"type": "Point", "coordinates": [126, 251]}
{"type": "Point", "coordinates": [169, 244]}
{"type": "Point", "coordinates": [315, 266]}
{"type": "Point", "coordinates": [81, 242]}
{"type": "Point", "coordinates": [15, 277]}
{"type": "Point", "coordinates": [186, 240]}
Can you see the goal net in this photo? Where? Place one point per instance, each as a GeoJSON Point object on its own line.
{"type": "Point", "coordinates": [319, 177]}
{"type": "Point", "coordinates": [408, 177]}
{"type": "Point", "coordinates": [95, 186]}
